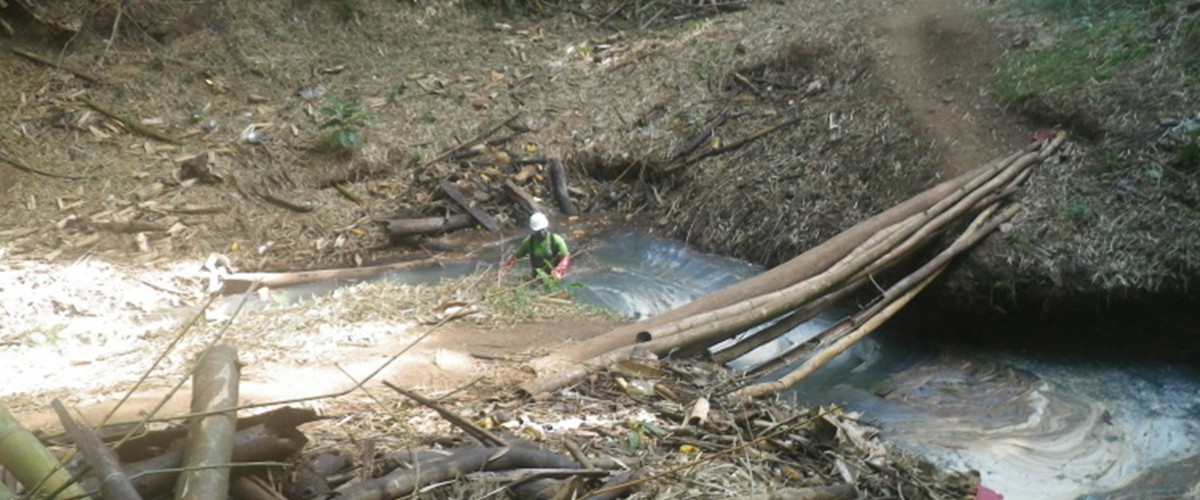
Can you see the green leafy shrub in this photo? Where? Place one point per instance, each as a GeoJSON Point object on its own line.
{"type": "Point", "coordinates": [347, 119]}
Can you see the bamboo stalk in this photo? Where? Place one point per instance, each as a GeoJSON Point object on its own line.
{"type": "Point", "coordinates": [238, 282]}
{"type": "Point", "coordinates": [895, 298]}
{"type": "Point", "coordinates": [114, 484]}
{"type": "Point", "coordinates": [132, 123]}
{"type": "Point", "coordinates": [211, 438]}
{"type": "Point", "coordinates": [5, 493]}
{"type": "Point", "coordinates": [25, 457]}
{"type": "Point", "coordinates": [859, 258]}
{"type": "Point", "coordinates": [800, 316]}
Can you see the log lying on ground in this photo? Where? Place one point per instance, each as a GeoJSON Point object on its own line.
{"type": "Point", "coordinates": [403, 482]}
{"type": "Point", "coordinates": [799, 268]}
{"type": "Point", "coordinates": [427, 226]}
{"type": "Point", "coordinates": [210, 437]}
{"type": "Point", "coordinates": [22, 455]}
{"type": "Point", "coordinates": [521, 197]}
{"type": "Point", "coordinates": [114, 484]}
{"type": "Point", "coordinates": [895, 298]}
{"type": "Point", "coordinates": [558, 186]}
{"type": "Point", "coordinates": [479, 214]}
{"type": "Point", "coordinates": [258, 443]}
{"type": "Point", "coordinates": [240, 282]}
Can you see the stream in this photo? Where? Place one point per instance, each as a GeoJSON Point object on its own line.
{"type": "Point", "coordinates": [1036, 428]}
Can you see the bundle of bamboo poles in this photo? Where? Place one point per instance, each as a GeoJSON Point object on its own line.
{"type": "Point", "coordinates": [800, 288]}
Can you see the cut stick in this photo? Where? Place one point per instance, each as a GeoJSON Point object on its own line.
{"type": "Point", "coordinates": [483, 435]}
{"type": "Point", "coordinates": [133, 124]}
{"type": "Point", "coordinates": [558, 186]}
{"type": "Point", "coordinates": [83, 75]}
{"type": "Point", "coordinates": [209, 448]}
{"type": "Point", "coordinates": [114, 484]}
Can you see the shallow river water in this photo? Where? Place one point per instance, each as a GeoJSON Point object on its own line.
{"type": "Point", "coordinates": [1036, 428]}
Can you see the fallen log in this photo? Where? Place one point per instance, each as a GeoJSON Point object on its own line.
{"type": "Point", "coordinates": [894, 299]}
{"type": "Point", "coordinates": [522, 198]}
{"type": "Point", "coordinates": [210, 437]}
{"type": "Point", "coordinates": [114, 484]}
{"type": "Point", "coordinates": [403, 482]}
{"type": "Point", "coordinates": [484, 219]}
{"type": "Point", "coordinates": [558, 186]}
{"type": "Point", "coordinates": [258, 443]}
{"type": "Point", "coordinates": [22, 455]}
{"type": "Point", "coordinates": [425, 226]}
{"type": "Point", "coordinates": [798, 268]}
{"type": "Point", "coordinates": [240, 282]}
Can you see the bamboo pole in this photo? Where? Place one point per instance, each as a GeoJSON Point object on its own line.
{"type": "Point", "coordinates": [706, 329]}
{"type": "Point", "coordinates": [798, 268]}
{"type": "Point", "coordinates": [211, 437]}
{"type": "Point", "coordinates": [114, 484]}
{"type": "Point", "coordinates": [25, 457]}
{"type": "Point", "coordinates": [5, 493]}
{"type": "Point", "coordinates": [239, 282]}
{"type": "Point", "coordinates": [895, 298]}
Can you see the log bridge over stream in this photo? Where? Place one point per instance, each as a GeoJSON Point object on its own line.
{"type": "Point", "coordinates": [801, 288]}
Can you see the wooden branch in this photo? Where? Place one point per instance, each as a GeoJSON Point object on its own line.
{"type": "Point", "coordinates": [484, 219]}
{"type": "Point", "coordinates": [558, 186]}
{"type": "Point", "coordinates": [19, 165]}
{"type": "Point", "coordinates": [210, 438]}
{"type": "Point", "coordinates": [24, 457]}
{"type": "Point", "coordinates": [403, 482]}
{"type": "Point", "coordinates": [483, 435]}
{"type": "Point", "coordinates": [894, 299]}
{"type": "Point", "coordinates": [114, 484]}
{"type": "Point", "coordinates": [479, 138]}
{"type": "Point", "coordinates": [42, 60]}
{"type": "Point", "coordinates": [240, 282]}
{"type": "Point", "coordinates": [280, 202]}
{"type": "Point", "coordinates": [734, 145]}
{"type": "Point", "coordinates": [402, 228]}
{"type": "Point", "coordinates": [128, 227]}
{"type": "Point", "coordinates": [132, 123]}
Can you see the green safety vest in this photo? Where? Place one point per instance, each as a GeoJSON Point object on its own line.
{"type": "Point", "coordinates": [543, 254]}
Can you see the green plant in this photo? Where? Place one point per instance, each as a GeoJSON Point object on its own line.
{"type": "Point", "coordinates": [347, 119]}
{"type": "Point", "coordinates": [396, 92]}
{"type": "Point", "coordinates": [1078, 213]}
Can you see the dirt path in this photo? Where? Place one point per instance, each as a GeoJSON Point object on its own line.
{"type": "Point", "coordinates": [936, 56]}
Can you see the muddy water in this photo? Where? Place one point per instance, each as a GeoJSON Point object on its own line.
{"type": "Point", "coordinates": [1035, 428]}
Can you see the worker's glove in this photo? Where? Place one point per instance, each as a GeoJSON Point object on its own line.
{"type": "Point", "coordinates": [561, 270]}
{"type": "Point", "coordinates": [507, 265]}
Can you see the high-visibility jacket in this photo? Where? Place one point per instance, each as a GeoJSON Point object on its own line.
{"type": "Point", "coordinates": [544, 253]}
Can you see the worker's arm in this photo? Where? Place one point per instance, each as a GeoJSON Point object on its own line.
{"type": "Point", "coordinates": [560, 248]}
{"type": "Point", "coordinates": [522, 250]}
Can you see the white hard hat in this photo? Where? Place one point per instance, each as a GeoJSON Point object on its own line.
{"type": "Point", "coordinates": [538, 221]}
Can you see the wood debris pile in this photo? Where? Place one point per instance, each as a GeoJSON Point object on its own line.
{"type": "Point", "coordinates": [645, 429]}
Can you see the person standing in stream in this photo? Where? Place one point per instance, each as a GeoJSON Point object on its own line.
{"type": "Point", "coordinates": [548, 254]}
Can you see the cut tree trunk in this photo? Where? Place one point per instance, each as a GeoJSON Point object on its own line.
{"type": "Point", "coordinates": [403, 482]}
{"type": "Point", "coordinates": [427, 226]}
{"type": "Point", "coordinates": [114, 484]}
{"type": "Point", "coordinates": [24, 456]}
{"type": "Point", "coordinates": [209, 448]}
{"type": "Point", "coordinates": [558, 186]}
